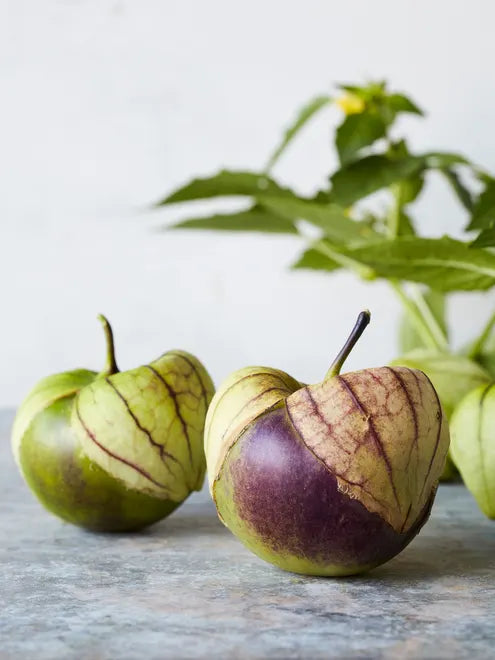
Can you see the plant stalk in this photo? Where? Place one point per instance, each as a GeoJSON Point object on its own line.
{"type": "Point", "coordinates": [417, 318]}
{"type": "Point", "coordinates": [428, 317]}
{"type": "Point", "coordinates": [418, 310]}
{"type": "Point", "coordinates": [393, 220]}
{"type": "Point", "coordinates": [110, 364]}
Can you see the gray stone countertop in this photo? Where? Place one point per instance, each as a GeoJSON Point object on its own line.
{"type": "Point", "coordinates": [186, 588]}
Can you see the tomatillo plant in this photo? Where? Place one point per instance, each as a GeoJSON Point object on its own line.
{"type": "Point", "coordinates": [378, 244]}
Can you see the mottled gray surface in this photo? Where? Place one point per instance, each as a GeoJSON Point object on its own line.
{"type": "Point", "coordinates": [187, 589]}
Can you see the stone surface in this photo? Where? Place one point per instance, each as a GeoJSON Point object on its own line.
{"type": "Point", "coordinates": [186, 588]}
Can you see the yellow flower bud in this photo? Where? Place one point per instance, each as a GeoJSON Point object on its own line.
{"type": "Point", "coordinates": [351, 104]}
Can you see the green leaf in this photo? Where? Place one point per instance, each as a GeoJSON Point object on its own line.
{"type": "Point", "coordinates": [406, 227]}
{"type": "Point", "coordinates": [485, 238]}
{"type": "Point", "coordinates": [401, 103]}
{"type": "Point", "coordinates": [443, 159]}
{"type": "Point", "coordinates": [376, 97]}
{"type": "Point", "coordinates": [487, 362]}
{"type": "Point", "coordinates": [330, 218]}
{"type": "Point", "coordinates": [358, 131]}
{"type": "Point", "coordinates": [305, 114]}
{"type": "Point", "coordinates": [371, 91]}
{"type": "Point", "coordinates": [463, 194]}
{"type": "Point", "coordinates": [253, 219]}
{"type": "Point", "coordinates": [443, 264]}
{"type": "Point", "coordinates": [408, 336]}
{"type": "Point", "coordinates": [398, 149]}
{"type": "Point", "coordinates": [313, 260]}
{"type": "Point", "coordinates": [483, 215]}
{"type": "Point", "coordinates": [482, 349]}
{"type": "Point", "coordinates": [364, 177]}
{"type": "Point", "coordinates": [226, 184]}
{"type": "Point", "coordinates": [444, 162]}
{"type": "Point", "coordinates": [411, 188]}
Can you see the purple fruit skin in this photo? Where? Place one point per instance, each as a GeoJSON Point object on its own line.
{"type": "Point", "coordinates": [286, 503]}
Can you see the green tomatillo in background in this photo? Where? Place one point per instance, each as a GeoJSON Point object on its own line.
{"type": "Point", "coordinates": [473, 445]}
{"type": "Point", "coordinates": [115, 451]}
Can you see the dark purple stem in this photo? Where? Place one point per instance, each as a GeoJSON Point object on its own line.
{"type": "Point", "coordinates": [362, 321]}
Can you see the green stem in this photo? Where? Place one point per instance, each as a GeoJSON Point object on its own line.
{"type": "Point", "coordinates": [110, 364]}
{"type": "Point", "coordinates": [418, 309]}
{"type": "Point", "coordinates": [365, 272]}
{"type": "Point", "coordinates": [429, 318]}
{"type": "Point", "coordinates": [393, 220]}
{"type": "Point", "coordinates": [479, 344]}
{"type": "Point", "coordinates": [416, 317]}
{"type": "Point", "coordinates": [362, 321]}
{"type": "Point", "coordinates": [430, 337]}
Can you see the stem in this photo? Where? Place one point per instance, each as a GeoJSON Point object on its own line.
{"type": "Point", "coordinates": [365, 272]}
{"type": "Point", "coordinates": [429, 318]}
{"type": "Point", "coordinates": [394, 215]}
{"type": "Point", "coordinates": [110, 364]}
{"type": "Point", "coordinates": [418, 310]}
{"type": "Point", "coordinates": [479, 344]}
{"type": "Point", "coordinates": [362, 321]}
{"type": "Point", "coordinates": [416, 318]}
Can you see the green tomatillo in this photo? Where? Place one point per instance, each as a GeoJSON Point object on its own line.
{"type": "Point", "coordinates": [473, 445]}
{"type": "Point", "coordinates": [115, 451]}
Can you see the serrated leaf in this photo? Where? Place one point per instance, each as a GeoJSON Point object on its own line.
{"type": "Point", "coordinates": [330, 218]}
{"type": "Point", "coordinates": [226, 183]}
{"type": "Point", "coordinates": [409, 338]}
{"type": "Point", "coordinates": [313, 260]}
{"type": "Point", "coordinates": [364, 177]}
{"type": "Point", "coordinates": [484, 209]}
{"type": "Point", "coordinates": [356, 132]}
{"type": "Point", "coordinates": [463, 194]}
{"type": "Point", "coordinates": [304, 115]}
{"type": "Point", "coordinates": [443, 264]}
{"type": "Point", "coordinates": [254, 219]}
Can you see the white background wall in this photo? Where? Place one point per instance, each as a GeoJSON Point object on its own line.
{"type": "Point", "coordinates": [108, 104]}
